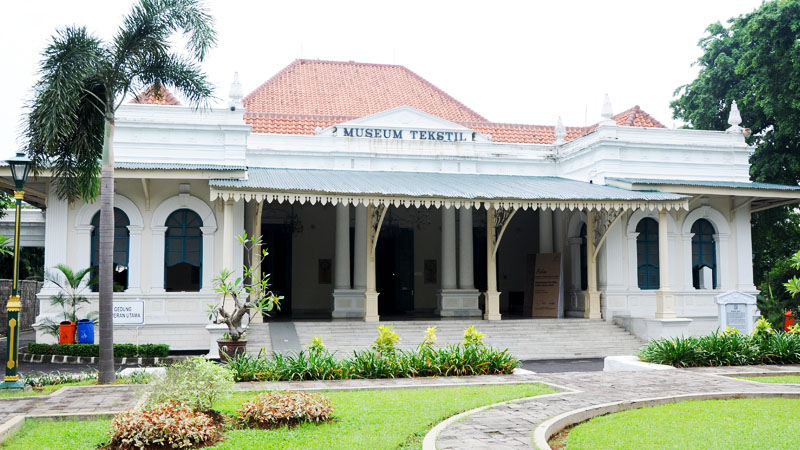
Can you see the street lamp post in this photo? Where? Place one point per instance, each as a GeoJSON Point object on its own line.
{"type": "Point", "coordinates": [20, 166]}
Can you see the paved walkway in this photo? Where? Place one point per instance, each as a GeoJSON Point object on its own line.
{"type": "Point", "coordinates": [502, 427]}
{"type": "Point", "coordinates": [510, 426]}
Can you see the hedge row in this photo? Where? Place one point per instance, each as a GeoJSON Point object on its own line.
{"type": "Point", "coordinates": [724, 349]}
{"type": "Point", "coordinates": [120, 350]}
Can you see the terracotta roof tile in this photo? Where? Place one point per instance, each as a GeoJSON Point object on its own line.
{"type": "Point", "coordinates": [308, 94]}
{"type": "Point", "coordinates": [150, 97]}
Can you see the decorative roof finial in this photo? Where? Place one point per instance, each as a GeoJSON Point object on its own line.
{"type": "Point", "coordinates": [560, 132]}
{"type": "Point", "coordinates": [734, 119]}
{"type": "Point", "coordinates": [607, 112]}
{"type": "Point", "coordinates": [236, 95]}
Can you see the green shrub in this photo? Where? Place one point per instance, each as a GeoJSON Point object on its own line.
{"type": "Point", "coordinates": [196, 382]}
{"type": "Point", "coordinates": [387, 340]}
{"type": "Point", "coordinates": [473, 337]}
{"type": "Point", "coordinates": [725, 349]}
{"type": "Point", "coordinates": [425, 361]}
{"type": "Point", "coordinates": [89, 350]}
{"type": "Point", "coordinates": [169, 425]}
{"type": "Point", "coordinates": [275, 409]}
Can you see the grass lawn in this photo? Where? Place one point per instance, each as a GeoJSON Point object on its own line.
{"type": "Point", "coordinates": [742, 424]}
{"type": "Point", "coordinates": [379, 419]}
{"type": "Point", "coordinates": [785, 379]}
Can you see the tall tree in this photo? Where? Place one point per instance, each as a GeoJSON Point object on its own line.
{"type": "Point", "coordinates": [755, 60]}
{"type": "Point", "coordinates": [70, 128]}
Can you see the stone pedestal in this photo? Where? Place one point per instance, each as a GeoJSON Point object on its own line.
{"type": "Point", "coordinates": [348, 304]}
{"type": "Point", "coordinates": [458, 303]}
{"type": "Point", "coordinates": [215, 331]}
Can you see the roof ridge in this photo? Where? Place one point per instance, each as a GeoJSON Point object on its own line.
{"type": "Point", "coordinates": [437, 89]}
{"type": "Point", "coordinates": [274, 77]}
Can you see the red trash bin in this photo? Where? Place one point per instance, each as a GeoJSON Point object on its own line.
{"type": "Point", "coordinates": [66, 332]}
{"type": "Point", "coordinates": [788, 320]}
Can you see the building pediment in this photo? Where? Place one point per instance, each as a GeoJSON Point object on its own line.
{"type": "Point", "coordinates": [405, 123]}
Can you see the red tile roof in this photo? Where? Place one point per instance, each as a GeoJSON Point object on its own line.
{"type": "Point", "coordinates": [150, 97]}
{"type": "Point", "coordinates": [308, 94]}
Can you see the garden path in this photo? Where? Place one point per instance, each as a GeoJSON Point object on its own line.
{"type": "Point", "coordinates": [73, 400]}
{"type": "Point", "coordinates": [510, 426]}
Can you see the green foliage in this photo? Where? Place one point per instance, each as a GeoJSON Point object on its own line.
{"type": "Point", "coordinates": [763, 328]}
{"type": "Point", "coordinates": [197, 382]}
{"type": "Point", "coordinates": [83, 81]}
{"type": "Point", "coordinates": [249, 293]}
{"type": "Point", "coordinates": [387, 340]}
{"type": "Point", "coordinates": [6, 245]}
{"type": "Point", "coordinates": [754, 60]}
{"type": "Point", "coordinates": [70, 297]}
{"type": "Point", "coordinates": [120, 350]}
{"type": "Point", "coordinates": [725, 349]}
{"type": "Point", "coordinates": [316, 345]}
{"type": "Point", "coordinates": [473, 337]}
{"type": "Point", "coordinates": [169, 425]}
{"type": "Point", "coordinates": [430, 338]}
{"type": "Point", "coordinates": [425, 361]}
{"type": "Point", "coordinates": [271, 410]}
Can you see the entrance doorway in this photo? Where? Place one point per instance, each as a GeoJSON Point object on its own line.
{"type": "Point", "coordinates": [277, 239]}
{"type": "Point", "coordinates": [395, 270]}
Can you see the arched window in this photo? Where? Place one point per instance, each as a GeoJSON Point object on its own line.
{"type": "Point", "coordinates": [584, 262]}
{"type": "Point", "coordinates": [121, 246]}
{"type": "Point", "coordinates": [183, 252]}
{"type": "Point", "coordinates": [647, 254]}
{"type": "Point", "coordinates": [704, 252]}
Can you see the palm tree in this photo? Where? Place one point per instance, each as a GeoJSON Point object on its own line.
{"type": "Point", "coordinates": [70, 127]}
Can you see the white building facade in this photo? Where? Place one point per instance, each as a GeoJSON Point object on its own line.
{"type": "Point", "coordinates": [402, 213]}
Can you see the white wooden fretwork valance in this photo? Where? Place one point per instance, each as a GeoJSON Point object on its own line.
{"type": "Point", "coordinates": [427, 202]}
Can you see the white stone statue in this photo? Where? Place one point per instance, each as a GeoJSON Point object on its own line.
{"type": "Point", "coordinates": [734, 119]}
{"type": "Point", "coordinates": [236, 94]}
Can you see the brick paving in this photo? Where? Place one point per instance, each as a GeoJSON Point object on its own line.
{"type": "Point", "coordinates": [511, 426]}
{"type": "Point", "coordinates": [73, 400]}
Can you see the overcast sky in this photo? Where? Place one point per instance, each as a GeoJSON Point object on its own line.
{"type": "Point", "coordinates": [520, 62]}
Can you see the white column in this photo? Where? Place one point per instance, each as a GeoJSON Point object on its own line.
{"type": "Point", "coordinates": [135, 259]}
{"type": "Point", "coordinates": [84, 254]}
{"type": "Point", "coordinates": [466, 278]}
{"type": "Point", "coordinates": [255, 228]}
{"type": "Point", "coordinates": [744, 249]}
{"type": "Point", "coordinates": [686, 267]}
{"type": "Point", "coordinates": [360, 249]}
{"type": "Point", "coordinates": [55, 236]}
{"type": "Point", "coordinates": [157, 261]}
{"type": "Point", "coordinates": [665, 298]}
{"type": "Point", "coordinates": [592, 297]}
{"type": "Point", "coordinates": [208, 258]}
{"type": "Point", "coordinates": [448, 248]}
{"type": "Point", "coordinates": [559, 232]}
{"type": "Point", "coordinates": [341, 267]}
{"type": "Point", "coordinates": [724, 265]}
{"type": "Point", "coordinates": [227, 236]}
{"type": "Point", "coordinates": [545, 231]}
{"type": "Point", "coordinates": [237, 229]}
{"type": "Point", "coordinates": [492, 296]}
{"type": "Point", "coordinates": [371, 292]}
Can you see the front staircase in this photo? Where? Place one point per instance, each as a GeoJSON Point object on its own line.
{"type": "Point", "coordinates": [525, 338]}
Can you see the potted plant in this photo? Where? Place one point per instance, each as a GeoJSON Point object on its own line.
{"type": "Point", "coordinates": [241, 297]}
{"type": "Point", "coordinates": [70, 296]}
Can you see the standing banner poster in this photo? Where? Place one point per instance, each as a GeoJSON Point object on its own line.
{"type": "Point", "coordinates": [546, 289]}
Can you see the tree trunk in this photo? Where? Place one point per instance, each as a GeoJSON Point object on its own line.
{"type": "Point", "coordinates": [106, 258]}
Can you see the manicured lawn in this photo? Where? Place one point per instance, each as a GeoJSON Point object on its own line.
{"type": "Point", "coordinates": [786, 379]}
{"type": "Point", "coordinates": [764, 423]}
{"type": "Point", "coordinates": [381, 419]}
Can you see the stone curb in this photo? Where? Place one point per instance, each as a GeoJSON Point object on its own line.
{"type": "Point", "coordinates": [429, 442]}
{"type": "Point", "coordinates": [550, 427]}
{"type": "Point", "coordinates": [64, 359]}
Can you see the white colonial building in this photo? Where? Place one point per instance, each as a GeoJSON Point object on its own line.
{"type": "Point", "coordinates": [379, 196]}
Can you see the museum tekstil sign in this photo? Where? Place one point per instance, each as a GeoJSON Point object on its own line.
{"type": "Point", "coordinates": [399, 133]}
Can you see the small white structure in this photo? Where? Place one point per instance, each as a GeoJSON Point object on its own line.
{"type": "Point", "coordinates": [737, 310]}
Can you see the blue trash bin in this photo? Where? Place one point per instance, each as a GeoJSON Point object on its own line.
{"type": "Point", "coordinates": [86, 331]}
